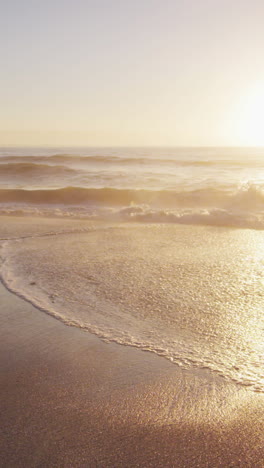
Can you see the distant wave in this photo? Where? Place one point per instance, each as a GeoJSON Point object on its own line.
{"type": "Point", "coordinates": [102, 159]}
{"type": "Point", "coordinates": [33, 169]}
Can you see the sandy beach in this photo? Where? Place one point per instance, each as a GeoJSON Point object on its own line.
{"type": "Point", "coordinates": [132, 234]}
{"type": "Point", "coordinates": [69, 399]}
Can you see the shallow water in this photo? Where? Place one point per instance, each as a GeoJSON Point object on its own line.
{"type": "Point", "coordinates": [193, 295]}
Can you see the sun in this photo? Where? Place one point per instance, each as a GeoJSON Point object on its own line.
{"type": "Point", "coordinates": [249, 119]}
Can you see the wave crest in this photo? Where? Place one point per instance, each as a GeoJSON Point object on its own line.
{"type": "Point", "coordinates": [247, 197]}
{"type": "Point", "coordinates": [242, 208]}
{"type": "Point", "coordinates": [33, 169]}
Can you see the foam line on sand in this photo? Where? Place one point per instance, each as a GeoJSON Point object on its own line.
{"type": "Point", "coordinates": [70, 400]}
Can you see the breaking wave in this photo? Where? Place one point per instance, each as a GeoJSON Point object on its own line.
{"type": "Point", "coordinates": [191, 186]}
{"type": "Point", "coordinates": [249, 197]}
{"type": "Point", "coordinates": [243, 208]}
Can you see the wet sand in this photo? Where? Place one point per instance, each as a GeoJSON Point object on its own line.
{"type": "Point", "coordinates": [69, 399]}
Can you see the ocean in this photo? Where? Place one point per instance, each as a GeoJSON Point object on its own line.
{"type": "Point", "coordinates": [156, 248]}
{"type": "Point", "coordinates": [208, 186]}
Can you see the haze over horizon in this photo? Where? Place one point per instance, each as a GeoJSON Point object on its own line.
{"type": "Point", "coordinates": [141, 73]}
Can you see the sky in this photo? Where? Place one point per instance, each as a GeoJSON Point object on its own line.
{"type": "Point", "coordinates": [131, 72]}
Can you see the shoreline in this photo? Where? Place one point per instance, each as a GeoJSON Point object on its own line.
{"type": "Point", "coordinates": [76, 271]}
{"type": "Point", "coordinates": [70, 399]}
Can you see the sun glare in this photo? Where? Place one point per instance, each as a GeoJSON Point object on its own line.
{"type": "Point", "coordinates": [250, 118]}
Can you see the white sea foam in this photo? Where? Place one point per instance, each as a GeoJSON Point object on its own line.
{"type": "Point", "coordinates": [243, 209]}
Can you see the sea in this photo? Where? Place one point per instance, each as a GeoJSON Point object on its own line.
{"type": "Point", "coordinates": [157, 248]}
{"type": "Point", "coordinates": [209, 186]}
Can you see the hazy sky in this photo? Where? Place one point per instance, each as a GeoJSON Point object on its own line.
{"type": "Point", "coordinates": [131, 72]}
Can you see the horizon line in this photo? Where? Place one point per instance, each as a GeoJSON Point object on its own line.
{"type": "Point", "coordinates": [130, 146]}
